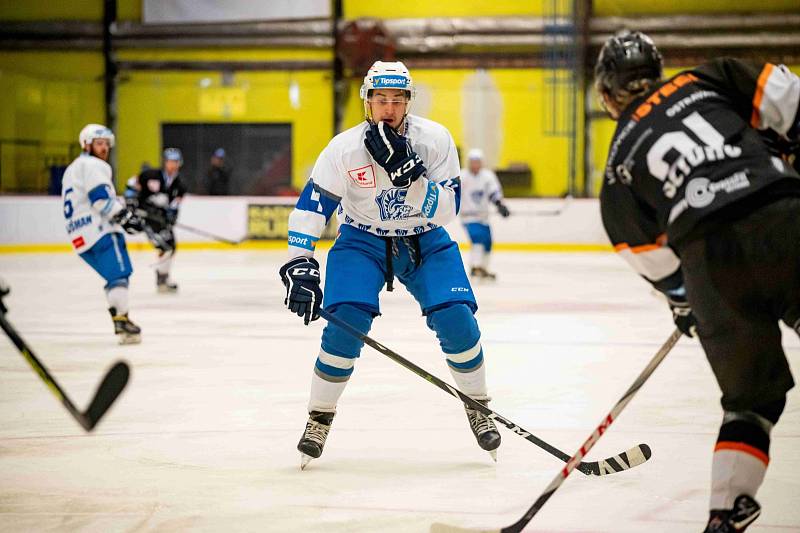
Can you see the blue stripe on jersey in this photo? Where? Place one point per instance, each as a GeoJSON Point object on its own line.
{"type": "Point", "coordinates": [317, 200]}
{"type": "Point", "coordinates": [301, 240]}
{"type": "Point", "coordinates": [99, 193]}
{"type": "Point", "coordinates": [431, 201]}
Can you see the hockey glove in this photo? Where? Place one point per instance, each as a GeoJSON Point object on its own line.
{"type": "Point", "coordinates": [682, 313]}
{"type": "Point", "coordinates": [393, 152]}
{"type": "Point", "coordinates": [502, 209]}
{"type": "Point", "coordinates": [171, 216]}
{"type": "Point", "coordinates": [129, 221]}
{"type": "Point", "coordinates": [300, 276]}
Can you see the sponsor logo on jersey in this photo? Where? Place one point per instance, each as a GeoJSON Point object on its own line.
{"type": "Point", "coordinates": [698, 155]}
{"type": "Point", "coordinates": [389, 81]}
{"type": "Point", "coordinates": [381, 232]}
{"type": "Point", "coordinates": [419, 229]}
{"type": "Point", "coordinates": [78, 242]}
{"type": "Point", "coordinates": [701, 192]}
{"type": "Point", "coordinates": [401, 232]}
{"type": "Point", "coordinates": [459, 289]}
{"type": "Point", "coordinates": [364, 227]}
{"type": "Point", "coordinates": [302, 241]}
{"type": "Point", "coordinates": [75, 225]}
{"type": "Point", "coordinates": [391, 203]}
{"type": "Point", "coordinates": [662, 94]}
{"type": "Point", "coordinates": [363, 177]}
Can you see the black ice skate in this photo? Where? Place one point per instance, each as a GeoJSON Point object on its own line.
{"type": "Point", "coordinates": [313, 439]}
{"type": "Point", "coordinates": [745, 511]}
{"type": "Point", "coordinates": [482, 273]}
{"type": "Point", "coordinates": [164, 285]}
{"type": "Point", "coordinates": [127, 332]}
{"type": "Point", "coordinates": [484, 429]}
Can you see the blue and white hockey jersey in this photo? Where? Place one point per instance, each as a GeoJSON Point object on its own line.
{"type": "Point", "coordinates": [478, 191]}
{"type": "Point", "coordinates": [345, 177]}
{"type": "Point", "coordinates": [89, 201]}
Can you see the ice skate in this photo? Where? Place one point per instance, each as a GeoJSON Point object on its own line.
{"type": "Point", "coordinates": [484, 429]}
{"type": "Point", "coordinates": [745, 511]}
{"type": "Point", "coordinates": [313, 439]}
{"type": "Point", "coordinates": [482, 273]}
{"type": "Point", "coordinates": [164, 285]}
{"type": "Point", "coordinates": [127, 332]}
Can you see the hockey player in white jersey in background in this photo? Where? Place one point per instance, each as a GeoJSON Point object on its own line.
{"type": "Point", "coordinates": [479, 188]}
{"type": "Point", "coordinates": [95, 220]}
{"type": "Point", "coordinates": [394, 179]}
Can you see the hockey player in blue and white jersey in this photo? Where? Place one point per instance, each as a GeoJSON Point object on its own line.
{"type": "Point", "coordinates": [394, 180]}
{"type": "Point", "coordinates": [479, 188]}
{"type": "Point", "coordinates": [95, 220]}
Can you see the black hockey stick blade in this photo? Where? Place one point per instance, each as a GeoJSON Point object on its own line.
{"type": "Point", "coordinates": [110, 388]}
{"type": "Point", "coordinates": [587, 445]}
{"type": "Point", "coordinates": [628, 459]}
{"type": "Point", "coordinates": [107, 392]}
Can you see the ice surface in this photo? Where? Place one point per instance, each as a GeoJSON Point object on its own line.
{"type": "Point", "coordinates": [204, 437]}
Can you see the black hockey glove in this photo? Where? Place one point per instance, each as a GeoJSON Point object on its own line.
{"type": "Point", "coordinates": [393, 152]}
{"type": "Point", "coordinates": [502, 209]}
{"type": "Point", "coordinates": [300, 276]}
{"type": "Point", "coordinates": [130, 221]}
{"type": "Point", "coordinates": [171, 216]}
{"type": "Point", "coordinates": [682, 312]}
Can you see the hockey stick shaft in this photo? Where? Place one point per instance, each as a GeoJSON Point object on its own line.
{"type": "Point", "coordinates": [204, 233]}
{"type": "Point", "coordinates": [596, 434]}
{"type": "Point", "coordinates": [156, 218]}
{"type": "Point", "coordinates": [635, 456]}
{"type": "Point", "coordinates": [111, 386]}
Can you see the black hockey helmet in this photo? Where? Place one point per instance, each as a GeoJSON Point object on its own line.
{"type": "Point", "coordinates": [626, 57]}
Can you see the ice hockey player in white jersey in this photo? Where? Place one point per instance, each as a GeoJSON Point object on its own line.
{"type": "Point", "coordinates": [394, 180]}
{"type": "Point", "coordinates": [95, 220]}
{"type": "Point", "coordinates": [479, 189]}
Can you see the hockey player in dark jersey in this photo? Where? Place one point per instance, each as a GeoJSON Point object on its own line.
{"type": "Point", "coordinates": [160, 193]}
{"type": "Point", "coordinates": [695, 201]}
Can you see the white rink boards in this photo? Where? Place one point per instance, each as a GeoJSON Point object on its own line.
{"type": "Point", "coordinates": [204, 437]}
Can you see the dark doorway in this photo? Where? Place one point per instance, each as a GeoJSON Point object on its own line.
{"type": "Point", "coordinates": [258, 156]}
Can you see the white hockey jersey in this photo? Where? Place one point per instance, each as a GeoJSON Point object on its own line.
{"type": "Point", "coordinates": [347, 178]}
{"type": "Point", "coordinates": [478, 191]}
{"type": "Point", "coordinates": [89, 201]}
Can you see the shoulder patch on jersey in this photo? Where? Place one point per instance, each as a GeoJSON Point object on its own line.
{"type": "Point", "coordinates": [363, 176]}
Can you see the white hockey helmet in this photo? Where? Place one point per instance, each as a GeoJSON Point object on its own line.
{"type": "Point", "coordinates": [90, 132]}
{"type": "Point", "coordinates": [387, 75]}
{"type": "Point", "coordinates": [475, 153]}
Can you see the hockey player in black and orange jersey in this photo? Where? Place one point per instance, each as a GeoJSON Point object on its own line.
{"type": "Point", "coordinates": [160, 193]}
{"type": "Point", "coordinates": [696, 203]}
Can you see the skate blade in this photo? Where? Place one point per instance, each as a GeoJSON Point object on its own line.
{"type": "Point", "coordinates": [493, 453]}
{"type": "Point", "coordinates": [130, 339]}
{"type": "Point", "coordinates": [304, 460]}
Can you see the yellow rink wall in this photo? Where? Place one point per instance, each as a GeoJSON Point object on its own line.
{"type": "Point", "coordinates": [51, 95]}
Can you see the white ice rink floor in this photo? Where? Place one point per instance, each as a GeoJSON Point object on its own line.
{"type": "Point", "coordinates": [204, 437]}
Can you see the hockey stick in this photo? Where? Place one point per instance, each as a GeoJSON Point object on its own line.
{"type": "Point", "coordinates": [162, 221]}
{"type": "Point", "coordinates": [520, 524]}
{"type": "Point", "coordinates": [110, 388]}
{"type": "Point", "coordinates": [625, 460]}
{"type": "Point", "coordinates": [549, 212]}
{"type": "Point", "coordinates": [209, 235]}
